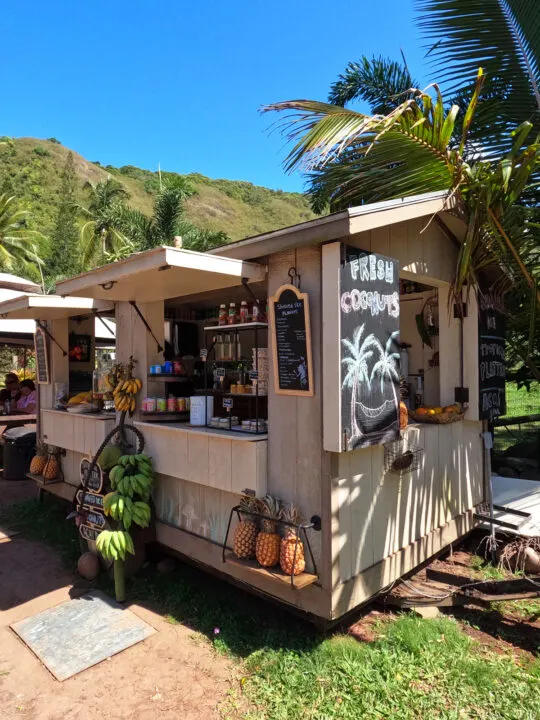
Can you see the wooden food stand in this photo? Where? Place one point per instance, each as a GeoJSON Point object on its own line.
{"type": "Point", "coordinates": [327, 436]}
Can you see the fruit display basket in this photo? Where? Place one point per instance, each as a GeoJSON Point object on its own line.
{"type": "Point", "coordinates": [296, 581]}
{"type": "Point", "coordinates": [443, 418]}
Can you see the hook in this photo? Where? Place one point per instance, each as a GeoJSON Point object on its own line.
{"type": "Point", "coordinates": [294, 277]}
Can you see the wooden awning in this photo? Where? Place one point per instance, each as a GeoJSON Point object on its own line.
{"type": "Point", "coordinates": [50, 307]}
{"type": "Point", "coordinates": [160, 274]}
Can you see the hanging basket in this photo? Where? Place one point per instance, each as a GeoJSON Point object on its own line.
{"type": "Point", "coordinates": [443, 418]}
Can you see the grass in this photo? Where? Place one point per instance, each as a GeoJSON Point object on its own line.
{"type": "Point", "coordinates": [415, 669]}
{"type": "Point", "coordinates": [519, 402]}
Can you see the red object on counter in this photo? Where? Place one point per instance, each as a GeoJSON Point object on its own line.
{"type": "Point", "coordinates": [178, 368]}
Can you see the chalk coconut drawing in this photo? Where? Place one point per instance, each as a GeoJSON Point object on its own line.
{"type": "Point", "coordinates": [363, 352]}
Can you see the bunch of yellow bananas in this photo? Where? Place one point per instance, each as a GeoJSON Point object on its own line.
{"type": "Point", "coordinates": [124, 394]}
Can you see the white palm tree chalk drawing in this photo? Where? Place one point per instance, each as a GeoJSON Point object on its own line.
{"type": "Point", "coordinates": [363, 353]}
{"type": "Point", "coordinates": [357, 369]}
{"type": "Point", "coordinates": [387, 365]}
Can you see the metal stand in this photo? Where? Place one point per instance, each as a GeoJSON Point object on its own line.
{"type": "Point", "coordinates": [314, 524]}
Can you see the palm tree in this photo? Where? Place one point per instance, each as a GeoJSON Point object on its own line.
{"type": "Point", "coordinates": [413, 149]}
{"type": "Point", "coordinates": [101, 234]}
{"type": "Point", "coordinates": [386, 366]}
{"type": "Point", "coordinates": [357, 370]}
{"type": "Point", "coordinates": [167, 221]}
{"type": "Point", "coordinates": [17, 243]}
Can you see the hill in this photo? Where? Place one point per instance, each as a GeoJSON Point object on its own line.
{"type": "Point", "coordinates": [31, 169]}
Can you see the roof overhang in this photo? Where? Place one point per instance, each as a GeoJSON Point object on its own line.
{"type": "Point", "coordinates": [50, 307]}
{"type": "Point", "coordinates": [160, 274]}
{"type": "Point", "coordinates": [340, 225]}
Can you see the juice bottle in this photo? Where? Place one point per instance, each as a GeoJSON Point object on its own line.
{"type": "Point", "coordinates": [244, 312]}
{"type": "Point", "coordinates": [222, 317]}
{"type": "Point", "coordinates": [232, 314]}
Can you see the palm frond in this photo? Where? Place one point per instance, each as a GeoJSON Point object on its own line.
{"type": "Point", "coordinates": [503, 37]}
{"type": "Point", "coordinates": [381, 82]}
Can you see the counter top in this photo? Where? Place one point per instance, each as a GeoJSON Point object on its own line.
{"type": "Point", "coordinates": [226, 434]}
{"type": "Point", "coordinates": [86, 416]}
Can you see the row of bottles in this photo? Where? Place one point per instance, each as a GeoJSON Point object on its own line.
{"type": "Point", "coordinates": [246, 314]}
{"type": "Point", "coordinates": [224, 348]}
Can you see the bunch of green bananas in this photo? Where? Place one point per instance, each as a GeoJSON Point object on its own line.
{"type": "Point", "coordinates": [114, 544]}
{"type": "Point", "coordinates": [133, 475]}
{"type": "Point", "coordinates": [126, 511]}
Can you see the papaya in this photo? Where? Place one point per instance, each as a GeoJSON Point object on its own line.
{"type": "Point", "coordinates": [109, 457]}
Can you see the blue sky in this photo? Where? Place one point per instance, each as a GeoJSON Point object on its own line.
{"type": "Point", "coordinates": [180, 83]}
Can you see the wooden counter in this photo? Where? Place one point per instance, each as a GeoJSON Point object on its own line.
{"type": "Point", "coordinates": [78, 433]}
{"type": "Point", "coordinates": [224, 460]}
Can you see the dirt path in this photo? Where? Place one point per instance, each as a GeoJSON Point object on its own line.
{"type": "Point", "coordinates": [172, 674]}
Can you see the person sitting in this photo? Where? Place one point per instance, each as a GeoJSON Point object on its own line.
{"type": "Point", "coordinates": [26, 405]}
{"type": "Point", "coordinates": [11, 392]}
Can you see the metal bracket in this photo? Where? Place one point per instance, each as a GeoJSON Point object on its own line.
{"type": "Point", "coordinates": [49, 335]}
{"type": "Point", "coordinates": [145, 323]}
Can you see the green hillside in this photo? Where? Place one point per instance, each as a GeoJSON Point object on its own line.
{"type": "Point", "coordinates": [31, 169]}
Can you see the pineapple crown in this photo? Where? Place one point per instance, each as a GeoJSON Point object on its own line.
{"type": "Point", "coordinates": [271, 506]}
{"type": "Point", "coordinates": [250, 504]}
{"type": "Point", "coordinates": [291, 513]}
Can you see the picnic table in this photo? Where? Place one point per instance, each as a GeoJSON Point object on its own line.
{"type": "Point", "coordinates": [11, 421]}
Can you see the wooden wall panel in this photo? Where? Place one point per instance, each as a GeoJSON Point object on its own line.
{"type": "Point", "coordinates": [79, 433]}
{"type": "Point", "coordinates": [380, 514]}
{"type": "Point", "coordinates": [295, 454]}
{"type": "Point", "coordinates": [207, 459]}
{"type": "Point", "coordinates": [201, 510]}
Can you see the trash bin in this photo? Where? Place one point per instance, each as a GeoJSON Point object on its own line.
{"type": "Point", "coordinates": [19, 445]}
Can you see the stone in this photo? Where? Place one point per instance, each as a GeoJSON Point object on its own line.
{"type": "Point", "coordinates": [524, 449]}
{"type": "Point", "coordinates": [428, 612]}
{"type": "Point", "coordinates": [521, 465]}
{"type": "Point", "coordinates": [88, 566]}
{"type": "Point", "coordinates": [166, 566]}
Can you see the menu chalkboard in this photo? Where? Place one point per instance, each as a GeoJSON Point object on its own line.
{"type": "Point", "coordinates": [491, 357]}
{"type": "Point", "coordinates": [369, 348]}
{"type": "Point", "coordinates": [42, 362]}
{"type": "Point", "coordinates": [291, 341]}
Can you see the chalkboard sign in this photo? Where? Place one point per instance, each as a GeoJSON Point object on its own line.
{"type": "Point", "coordinates": [89, 500]}
{"type": "Point", "coordinates": [88, 533]}
{"type": "Point", "coordinates": [369, 348]}
{"type": "Point", "coordinates": [491, 360]}
{"type": "Point", "coordinates": [42, 361]}
{"type": "Point", "coordinates": [95, 481]}
{"type": "Point", "coordinates": [291, 342]}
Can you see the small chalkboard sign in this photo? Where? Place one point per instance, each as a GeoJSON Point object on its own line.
{"type": "Point", "coordinates": [220, 372]}
{"type": "Point", "coordinates": [89, 500]}
{"type": "Point", "coordinates": [42, 360]}
{"type": "Point", "coordinates": [369, 348]}
{"type": "Point", "coordinates": [96, 519]}
{"type": "Point", "coordinates": [227, 403]}
{"type": "Point", "coordinates": [95, 481]}
{"type": "Point", "coordinates": [291, 342]}
{"type": "Point", "coordinates": [491, 357]}
{"type": "Point", "coordinates": [88, 533]}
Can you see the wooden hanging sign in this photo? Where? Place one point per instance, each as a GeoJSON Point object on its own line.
{"type": "Point", "coordinates": [291, 341]}
{"type": "Point", "coordinates": [95, 481]}
{"type": "Point", "coordinates": [42, 361]}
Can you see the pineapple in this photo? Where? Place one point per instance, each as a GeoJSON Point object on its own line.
{"type": "Point", "coordinates": [268, 540]}
{"type": "Point", "coordinates": [52, 468]}
{"type": "Point", "coordinates": [37, 465]}
{"type": "Point", "coordinates": [287, 561]}
{"type": "Point", "coordinates": [245, 534]}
